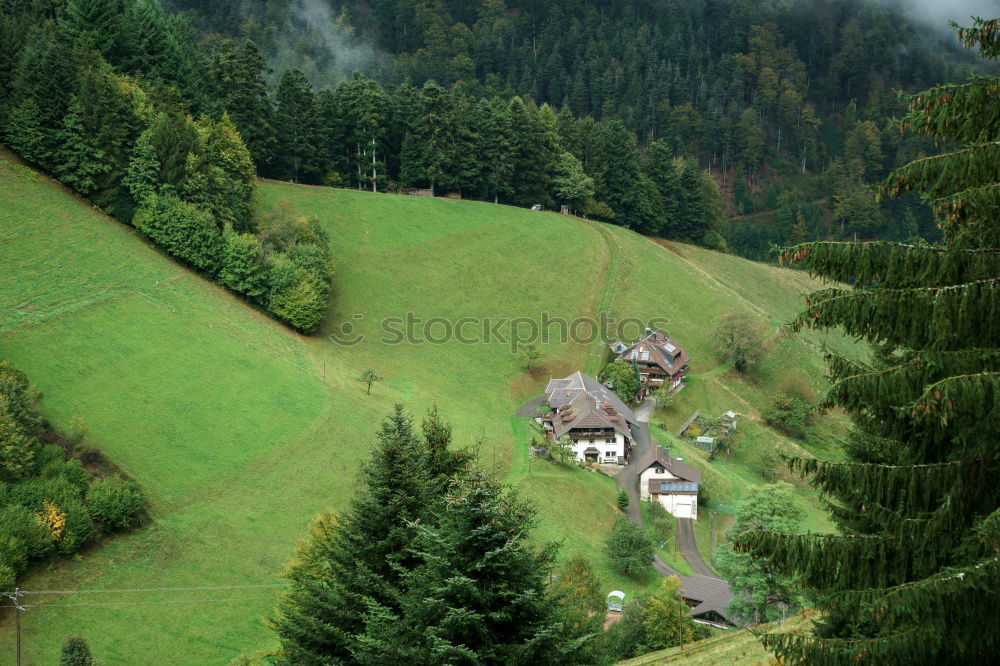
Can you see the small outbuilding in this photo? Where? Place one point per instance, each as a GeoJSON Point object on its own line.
{"type": "Point", "coordinates": [616, 601]}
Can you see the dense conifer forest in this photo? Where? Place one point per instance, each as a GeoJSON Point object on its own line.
{"type": "Point", "coordinates": [734, 125]}
{"type": "Point", "coordinates": [787, 105]}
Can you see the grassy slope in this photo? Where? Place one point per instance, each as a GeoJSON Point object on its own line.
{"type": "Point", "coordinates": [242, 430]}
{"type": "Point", "coordinates": [736, 648]}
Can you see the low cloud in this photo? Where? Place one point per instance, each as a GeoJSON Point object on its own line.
{"type": "Point", "coordinates": [937, 13]}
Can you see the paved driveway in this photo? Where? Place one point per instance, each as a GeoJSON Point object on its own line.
{"type": "Point", "coordinates": [628, 479]}
{"type": "Point", "coordinates": [530, 408]}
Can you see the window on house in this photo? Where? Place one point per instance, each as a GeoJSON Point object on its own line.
{"type": "Point", "coordinates": [609, 440]}
{"type": "Point", "coordinates": [592, 441]}
{"type": "Point", "coordinates": [659, 470]}
{"type": "Point", "coordinates": [610, 454]}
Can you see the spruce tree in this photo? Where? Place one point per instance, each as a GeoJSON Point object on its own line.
{"type": "Point", "coordinates": [366, 110]}
{"type": "Point", "coordinates": [294, 127]}
{"type": "Point", "coordinates": [426, 147]}
{"type": "Point", "coordinates": [236, 76]}
{"type": "Point", "coordinates": [496, 147]}
{"type": "Point", "coordinates": [102, 20]}
{"type": "Point", "coordinates": [912, 577]}
{"type": "Point", "coordinates": [356, 561]}
{"type": "Point", "coordinates": [38, 100]}
{"type": "Point", "coordinates": [80, 162]}
{"type": "Point", "coordinates": [479, 593]}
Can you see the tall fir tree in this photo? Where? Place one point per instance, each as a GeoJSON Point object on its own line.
{"type": "Point", "coordinates": [103, 20]}
{"type": "Point", "coordinates": [38, 100]}
{"type": "Point", "coordinates": [496, 147]}
{"type": "Point", "coordinates": [367, 112]}
{"type": "Point", "coordinates": [237, 78]}
{"type": "Point", "coordinates": [479, 593]}
{"type": "Point", "coordinates": [353, 562]}
{"type": "Point", "coordinates": [425, 152]}
{"type": "Point", "coordinates": [80, 162]}
{"type": "Point", "coordinates": [295, 127]}
{"type": "Point", "coordinates": [912, 577]}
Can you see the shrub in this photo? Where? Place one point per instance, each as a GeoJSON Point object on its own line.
{"type": "Point", "coordinates": [74, 473]}
{"type": "Point", "coordinates": [182, 230]}
{"type": "Point", "coordinates": [243, 265]}
{"type": "Point", "coordinates": [78, 529]}
{"type": "Point", "coordinates": [22, 526]}
{"type": "Point", "coordinates": [628, 547]}
{"type": "Point", "coordinates": [75, 652]}
{"type": "Point", "coordinates": [303, 305]}
{"type": "Point", "coordinates": [32, 493]}
{"type": "Point", "coordinates": [117, 503]}
{"type": "Point", "coordinates": [789, 414]}
{"type": "Point", "coordinates": [627, 637]}
{"type": "Point", "coordinates": [8, 577]}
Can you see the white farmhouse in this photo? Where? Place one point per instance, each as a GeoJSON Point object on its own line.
{"type": "Point", "coordinates": [670, 482]}
{"type": "Point", "coordinates": [596, 421]}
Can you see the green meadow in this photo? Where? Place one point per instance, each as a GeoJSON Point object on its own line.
{"type": "Point", "coordinates": [241, 430]}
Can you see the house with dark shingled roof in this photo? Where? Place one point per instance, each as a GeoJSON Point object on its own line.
{"type": "Point", "coordinates": [708, 598]}
{"type": "Point", "coordinates": [660, 360]}
{"type": "Point", "coordinates": [669, 481]}
{"type": "Point", "coordinates": [595, 420]}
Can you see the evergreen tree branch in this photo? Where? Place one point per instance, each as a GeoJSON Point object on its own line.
{"type": "Point", "coordinates": [937, 318]}
{"type": "Point", "coordinates": [892, 265]}
{"type": "Point", "coordinates": [937, 175]}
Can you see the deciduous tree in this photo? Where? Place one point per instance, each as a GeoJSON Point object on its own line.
{"type": "Point", "coordinates": [627, 547]}
{"type": "Point", "coordinates": [738, 338]}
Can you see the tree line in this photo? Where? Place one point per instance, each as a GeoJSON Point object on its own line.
{"type": "Point", "coordinates": [768, 96]}
{"type": "Point", "coordinates": [446, 140]}
{"type": "Point", "coordinates": [110, 97]}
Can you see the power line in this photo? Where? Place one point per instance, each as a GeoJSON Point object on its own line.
{"type": "Point", "coordinates": [134, 603]}
{"type": "Point", "coordinates": [157, 589]}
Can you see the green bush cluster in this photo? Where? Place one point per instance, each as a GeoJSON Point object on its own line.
{"type": "Point", "coordinates": [789, 413]}
{"type": "Point", "coordinates": [48, 504]}
{"type": "Point", "coordinates": [117, 503]}
{"type": "Point", "coordinates": [133, 131]}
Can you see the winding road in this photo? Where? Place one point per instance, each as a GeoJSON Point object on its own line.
{"type": "Point", "coordinates": [628, 479]}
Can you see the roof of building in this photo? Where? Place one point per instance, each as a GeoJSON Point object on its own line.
{"type": "Point", "coordinates": [661, 486]}
{"type": "Point", "coordinates": [661, 457]}
{"type": "Point", "coordinates": [710, 594]}
{"type": "Point", "coordinates": [583, 402]}
{"type": "Point", "coordinates": [656, 347]}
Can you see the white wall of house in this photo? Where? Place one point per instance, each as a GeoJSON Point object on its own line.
{"type": "Point", "coordinates": [653, 472]}
{"type": "Point", "coordinates": [680, 506]}
{"type": "Point", "coordinates": [610, 451]}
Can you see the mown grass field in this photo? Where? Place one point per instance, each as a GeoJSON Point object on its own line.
{"type": "Point", "coordinates": [241, 430]}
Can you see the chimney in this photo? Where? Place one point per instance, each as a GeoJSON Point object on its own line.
{"type": "Point", "coordinates": [649, 332]}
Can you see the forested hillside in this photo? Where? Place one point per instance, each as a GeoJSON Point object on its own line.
{"type": "Point", "coordinates": [732, 125]}
{"type": "Point", "coordinates": [787, 104]}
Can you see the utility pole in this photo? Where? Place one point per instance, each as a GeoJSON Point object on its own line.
{"type": "Point", "coordinates": [16, 597]}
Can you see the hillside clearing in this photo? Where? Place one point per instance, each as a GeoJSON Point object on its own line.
{"type": "Point", "coordinates": [241, 430]}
